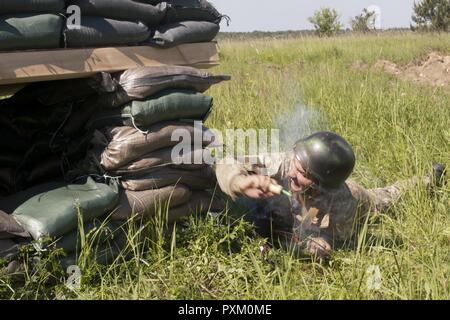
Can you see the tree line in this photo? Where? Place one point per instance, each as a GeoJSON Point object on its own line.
{"type": "Point", "coordinates": [429, 15]}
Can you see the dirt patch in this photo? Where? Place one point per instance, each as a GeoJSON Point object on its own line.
{"type": "Point", "coordinates": [433, 70]}
{"type": "Point", "coordinates": [388, 67]}
{"type": "Point", "coordinates": [359, 65]}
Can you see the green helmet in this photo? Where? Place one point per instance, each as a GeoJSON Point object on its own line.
{"type": "Point", "coordinates": [328, 157]}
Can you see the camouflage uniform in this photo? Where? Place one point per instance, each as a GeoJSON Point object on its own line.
{"type": "Point", "coordinates": [330, 215]}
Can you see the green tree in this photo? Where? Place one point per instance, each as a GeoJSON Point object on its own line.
{"type": "Point", "coordinates": [363, 22]}
{"type": "Point", "coordinates": [326, 22]}
{"type": "Point", "coordinates": [433, 15]}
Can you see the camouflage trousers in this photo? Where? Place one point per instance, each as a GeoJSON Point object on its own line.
{"type": "Point", "coordinates": [382, 199]}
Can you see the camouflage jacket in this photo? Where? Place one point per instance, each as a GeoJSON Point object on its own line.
{"type": "Point", "coordinates": [330, 214]}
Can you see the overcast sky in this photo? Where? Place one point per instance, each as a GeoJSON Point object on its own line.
{"type": "Point", "coordinates": [279, 15]}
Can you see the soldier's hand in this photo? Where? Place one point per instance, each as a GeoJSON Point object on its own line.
{"type": "Point", "coordinates": [254, 186]}
{"type": "Point", "coordinates": [319, 248]}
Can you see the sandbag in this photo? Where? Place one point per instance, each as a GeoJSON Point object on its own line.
{"type": "Point", "coordinates": [21, 31]}
{"type": "Point", "coordinates": [201, 202]}
{"type": "Point", "coordinates": [50, 93]}
{"type": "Point", "coordinates": [152, 2]}
{"type": "Point", "coordinates": [159, 178]}
{"type": "Point", "coordinates": [55, 211]}
{"type": "Point", "coordinates": [9, 228]}
{"type": "Point", "coordinates": [134, 204]}
{"type": "Point", "coordinates": [140, 83]}
{"type": "Point", "coordinates": [10, 203]}
{"type": "Point", "coordinates": [96, 32]}
{"type": "Point", "coordinates": [104, 254]}
{"type": "Point", "coordinates": [192, 10]}
{"type": "Point", "coordinates": [123, 10]}
{"type": "Point", "coordinates": [96, 233]}
{"type": "Point", "coordinates": [31, 6]}
{"type": "Point", "coordinates": [173, 34]}
{"type": "Point", "coordinates": [128, 144]}
{"type": "Point", "coordinates": [167, 105]}
{"type": "Point", "coordinates": [192, 160]}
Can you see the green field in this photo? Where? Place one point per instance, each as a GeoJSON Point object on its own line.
{"type": "Point", "coordinates": [397, 129]}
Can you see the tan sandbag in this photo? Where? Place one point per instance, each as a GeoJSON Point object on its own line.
{"type": "Point", "coordinates": [9, 228]}
{"type": "Point", "coordinates": [158, 178]}
{"type": "Point", "coordinates": [128, 144]}
{"type": "Point", "coordinates": [201, 202]}
{"type": "Point", "coordinates": [165, 158]}
{"type": "Point", "coordinates": [137, 204]}
{"type": "Point", "coordinates": [141, 83]}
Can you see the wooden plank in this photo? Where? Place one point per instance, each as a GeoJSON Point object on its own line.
{"type": "Point", "coordinates": [33, 66]}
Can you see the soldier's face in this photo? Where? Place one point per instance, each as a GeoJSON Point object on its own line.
{"type": "Point", "coordinates": [299, 180]}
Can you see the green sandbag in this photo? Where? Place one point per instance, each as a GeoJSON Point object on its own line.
{"type": "Point", "coordinates": [104, 254]}
{"type": "Point", "coordinates": [97, 31]}
{"type": "Point", "coordinates": [96, 233]}
{"type": "Point", "coordinates": [128, 10]}
{"type": "Point", "coordinates": [31, 6]}
{"type": "Point", "coordinates": [195, 10]}
{"type": "Point", "coordinates": [173, 34]}
{"type": "Point", "coordinates": [165, 106]}
{"type": "Point", "coordinates": [52, 209]}
{"type": "Point", "coordinates": [22, 31]}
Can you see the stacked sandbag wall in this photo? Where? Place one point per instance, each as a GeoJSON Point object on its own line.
{"type": "Point", "coordinates": [87, 155]}
{"type": "Point", "coordinates": [50, 24]}
{"type": "Point", "coordinates": [135, 130]}
{"type": "Point", "coordinates": [107, 141]}
{"type": "Point", "coordinates": [31, 24]}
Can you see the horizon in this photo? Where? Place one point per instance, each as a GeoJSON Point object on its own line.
{"type": "Point", "coordinates": [292, 15]}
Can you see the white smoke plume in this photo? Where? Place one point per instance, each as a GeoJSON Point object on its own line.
{"type": "Point", "coordinates": [303, 121]}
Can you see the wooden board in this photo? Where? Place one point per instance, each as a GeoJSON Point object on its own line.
{"type": "Point", "coordinates": [32, 66]}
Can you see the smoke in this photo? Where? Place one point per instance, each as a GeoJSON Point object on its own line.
{"type": "Point", "coordinates": [298, 124]}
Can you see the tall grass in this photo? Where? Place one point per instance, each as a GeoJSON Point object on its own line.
{"type": "Point", "coordinates": [397, 128]}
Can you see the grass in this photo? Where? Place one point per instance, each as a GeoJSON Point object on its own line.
{"type": "Point", "coordinates": [397, 128]}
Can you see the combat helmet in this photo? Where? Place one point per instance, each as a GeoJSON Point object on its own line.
{"type": "Point", "coordinates": [327, 157]}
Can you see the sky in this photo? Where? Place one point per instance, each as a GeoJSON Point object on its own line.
{"type": "Point", "coordinates": [281, 15]}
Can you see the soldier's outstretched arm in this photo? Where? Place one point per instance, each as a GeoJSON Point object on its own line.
{"type": "Point", "coordinates": [227, 170]}
{"type": "Point", "coordinates": [252, 173]}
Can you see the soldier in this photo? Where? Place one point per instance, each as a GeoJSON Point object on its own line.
{"type": "Point", "coordinates": [325, 209]}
